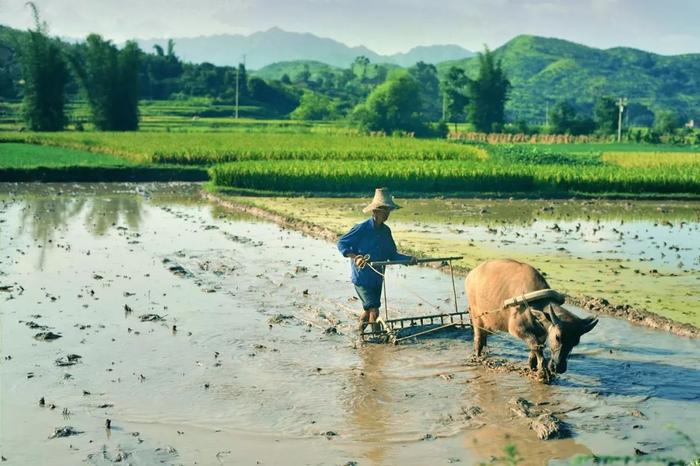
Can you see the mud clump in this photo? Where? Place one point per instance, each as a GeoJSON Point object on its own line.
{"type": "Point", "coordinates": [65, 431]}
{"type": "Point", "coordinates": [47, 336]}
{"type": "Point", "coordinates": [35, 326]}
{"type": "Point", "coordinates": [178, 270]}
{"type": "Point", "coordinates": [504, 366]}
{"type": "Point", "coordinates": [545, 424]}
{"type": "Point", "coordinates": [521, 407]}
{"type": "Point", "coordinates": [68, 360]}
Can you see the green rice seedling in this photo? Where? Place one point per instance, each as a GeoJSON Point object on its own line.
{"type": "Point", "coordinates": [652, 159]}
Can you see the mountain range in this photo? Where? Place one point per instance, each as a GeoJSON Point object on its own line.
{"type": "Point", "coordinates": [543, 71]}
{"type": "Point", "coordinates": [275, 45]}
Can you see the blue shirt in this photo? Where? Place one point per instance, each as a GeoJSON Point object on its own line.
{"type": "Point", "coordinates": [367, 238]}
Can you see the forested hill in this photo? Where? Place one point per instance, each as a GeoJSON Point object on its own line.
{"type": "Point", "coordinates": [544, 71]}
{"type": "Point", "coordinates": [274, 45]}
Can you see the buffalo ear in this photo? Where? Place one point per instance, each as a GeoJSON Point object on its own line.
{"type": "Point", "coordinates": [588, 324]}
{"type": "Point", "coordinates": [551, 315]}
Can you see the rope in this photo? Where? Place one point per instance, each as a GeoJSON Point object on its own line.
{"type": "Point", "coordinates": [523, 299]}
{"type": "Point", "coordinates": [368, 264]}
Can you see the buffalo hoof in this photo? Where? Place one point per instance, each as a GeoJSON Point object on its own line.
{"type": "Point", "coordinates": [545, 376]}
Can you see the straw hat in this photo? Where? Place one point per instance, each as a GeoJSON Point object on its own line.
{"type": "Point", "coordinates": [382, 198]}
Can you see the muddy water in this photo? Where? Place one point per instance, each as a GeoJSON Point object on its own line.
{"type": "Point", "coordinates": [255, 358]}
{"type": "Point", "coordinates": [665, 234]}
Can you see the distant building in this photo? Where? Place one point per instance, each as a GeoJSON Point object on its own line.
{"type": "Point", "coordinates": [690, 124]}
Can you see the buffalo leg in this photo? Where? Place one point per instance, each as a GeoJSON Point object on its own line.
{"type": "Point", "coordinates": [536, 360]}
{"type": "Point", "coordinates": [532, 360]}
{"type": "Point", "coordinates": [479, 338]}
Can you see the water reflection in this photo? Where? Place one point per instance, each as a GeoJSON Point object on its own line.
{"type": "Point", "coordinates": [44, 218]}
{"type": "Point", "coordinates": [103, 213]}
{"type": "Point", "coordinates": [367, 402]}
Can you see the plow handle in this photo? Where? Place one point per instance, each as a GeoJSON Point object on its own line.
{"type": "Point", "coordinates": [420, 261]}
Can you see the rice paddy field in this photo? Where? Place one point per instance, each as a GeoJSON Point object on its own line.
{"type": "Point", "coordinates": [309, 157]}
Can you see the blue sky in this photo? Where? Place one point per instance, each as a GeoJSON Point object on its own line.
{"type": "Point", "coordinates": [385, 26]}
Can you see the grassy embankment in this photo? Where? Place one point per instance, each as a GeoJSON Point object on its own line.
{"type": "Point", "coordinates": [27, 162]}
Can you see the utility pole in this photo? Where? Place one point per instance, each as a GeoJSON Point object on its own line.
{"type": "Point", "coordinates": [546, 114]}
{"type": "Point", "coordinates": [444, 106]}
{"type": "Point", "coordinates": [238, 73]}
{"type": "Point", "coordinates": [238, 70]}
{"type": "Point", "coordinates": [621, 103]}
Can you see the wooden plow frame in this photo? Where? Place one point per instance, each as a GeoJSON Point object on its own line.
{"type": "Point", "coordinates": [387, 330]}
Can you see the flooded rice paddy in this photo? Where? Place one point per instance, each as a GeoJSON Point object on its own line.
{"type": "Point", "coordinates": [209, 338]}
{"type": "Point", "coordinates": [643, 254]}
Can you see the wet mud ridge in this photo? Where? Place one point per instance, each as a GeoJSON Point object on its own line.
{"type": "Point", "coordinates": [640, 317]}
{"type": "Point", "coordinates": [636, 316]}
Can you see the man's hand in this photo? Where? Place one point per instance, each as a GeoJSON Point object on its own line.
{"type": "Point", "coordinates": [360, 260]}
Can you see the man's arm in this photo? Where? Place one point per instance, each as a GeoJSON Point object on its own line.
{"type": "Point", "coordinates": [347, 244]}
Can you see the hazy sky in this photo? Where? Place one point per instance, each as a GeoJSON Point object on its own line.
{"type": "Point", "coordinates": [385, 26]}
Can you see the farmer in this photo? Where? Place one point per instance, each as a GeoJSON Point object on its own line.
{"type": "Point", "coordinates": [371, 238]}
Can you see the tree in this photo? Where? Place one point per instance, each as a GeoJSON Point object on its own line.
{"type": "Point", "coordinates": [127, 89]}
{"type": "Point", "coordinates": [45, 74]}
{"type": "Point", "coordinates": [303, 76]}
{"type": "Point", "coordinates": [455, 90]}
{"type": "Point", "coordinates": [666, 122]}
{"type": "Point", "coordinates": [160, 73]}
{"type": "Point", "coordinates": [488, 94]}
{"type": "Point", "coordinates": [275, 96]}
{"type": "Point", "coordinates": [564, 119]}
{"type": "Point", "coordinates": [362, 62]}
{"type": "Point", "coordinates": [393, 105]}
{"type": "Point", "coordinates": [637, 114]}
{"type": "Point", "coordinates": [110, 78]}
{"type": "Point", "coordinates": [314, 106]}
{"type": "Point", "coordinates": [605, 114]}
{"type": "Point", "coordinates": [426, 76]}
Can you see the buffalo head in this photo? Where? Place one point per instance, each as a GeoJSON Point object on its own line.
{"type": "Point", "coordinates": [562, 335]}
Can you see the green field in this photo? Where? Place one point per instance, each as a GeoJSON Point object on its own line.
{"type": "Point", "coordinates": [210, 148]}
{"type": "Point", "coordinates": [193, 115]}
{"type": "Point", "coordinates": [26, 162]}
{"type": "Point", "coordinates": [29, 156]}
{"type": "Point", "coordinates": [301, 157]}
{"type": "Point", "coordinates": [454, 177]}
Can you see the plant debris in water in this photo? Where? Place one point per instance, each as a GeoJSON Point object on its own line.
{"type": "Point", "coordinates": [279, 318]}
{"type": "Point", "coordinates": [150, 318]}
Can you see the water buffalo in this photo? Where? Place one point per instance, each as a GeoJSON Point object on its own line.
{"type": "Point", "coordinates": [493, 282]}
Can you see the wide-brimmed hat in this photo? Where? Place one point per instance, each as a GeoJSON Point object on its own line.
{"type": "Point", "coordinates": [382, 198]}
